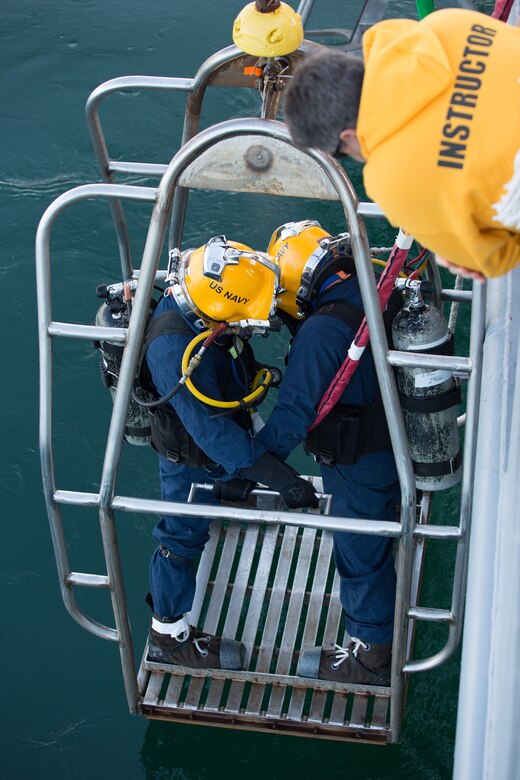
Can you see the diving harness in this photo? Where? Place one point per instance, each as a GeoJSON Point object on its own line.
{"type": "Point", "coordinates": [429, 398]}
{"type": "Point", "coordinates": [147, 411]}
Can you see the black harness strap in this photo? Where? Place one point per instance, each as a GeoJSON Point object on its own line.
{"type": "Point", "coordinates": [353, 315]}
{"type": "Point", "coordinates": [348, 431]}
{"type": "Point", "coordinates": [437, 469]}
{"type": "Point", "coordinates": [342, 310]}
{"type": "Point", "coordinates": [433, 403]}
{"type": "Point", "coordinates": [169, 436]}
{"type": "Point", "coordinates": [168, 323]}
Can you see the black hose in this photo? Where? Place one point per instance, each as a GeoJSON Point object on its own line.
{"type": "Point", "coordinates": [159, 401]}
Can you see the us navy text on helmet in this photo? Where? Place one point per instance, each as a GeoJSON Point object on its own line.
{"type": "Point", "coordinates": [228, 293]}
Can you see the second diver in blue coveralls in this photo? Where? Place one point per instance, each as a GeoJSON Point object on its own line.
{"type": "Point", "coordinates": [352, 445]}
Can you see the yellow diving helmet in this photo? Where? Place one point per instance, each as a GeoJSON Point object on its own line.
{"type": "Point", "coordinates": [303, 251]}
{"type": "Point", "coordinates": [224, 281]}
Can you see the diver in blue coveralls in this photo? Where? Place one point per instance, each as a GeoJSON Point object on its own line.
{"type": "Point", "coordinates": [220, 293]}
{"type": "Point", "coordinates": [321, 303]}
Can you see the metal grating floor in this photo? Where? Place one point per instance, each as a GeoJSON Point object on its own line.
{"type": "Point", "coordinates": [274, 588]}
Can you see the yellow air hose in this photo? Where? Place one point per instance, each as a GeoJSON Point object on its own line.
{"type": "Point", "coordinates": [261, 382]}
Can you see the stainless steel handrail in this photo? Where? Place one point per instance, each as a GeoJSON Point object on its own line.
{"type": "Point", "coordinates": [67, 579]}
{"type": "Point", "coordinates": [244, 515]}
{"type": "Point", "coordinates": [478, 313]}
{"type": "Point", "coordinates": [94, 101]}
{"type": "Point", "coordinates": [195, 88]}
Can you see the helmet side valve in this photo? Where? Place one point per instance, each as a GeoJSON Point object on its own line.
{"type": "Point", "coordinates": [174, 256]}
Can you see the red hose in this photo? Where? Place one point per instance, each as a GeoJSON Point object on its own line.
{"type": "Point", "coordinates": [502, 10]}
{"type": "Point", "coordinates": [221, 327]}
{"type": "Point", "coordinates": [348, 367]}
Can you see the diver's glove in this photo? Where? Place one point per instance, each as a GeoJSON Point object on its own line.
{"type": "Point", "coordinates": [237, 489]}
{"type": "Point", "coordinates": [295, 491]}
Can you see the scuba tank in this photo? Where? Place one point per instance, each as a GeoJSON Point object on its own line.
{"type": "Point", "coordinates": [115, 313]}
{"type": "Point", "coordinates": [429, 397]}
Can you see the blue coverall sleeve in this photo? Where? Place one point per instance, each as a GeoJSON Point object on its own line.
{"type": "Point", "coordinates": [316, 354]}
{"type": "Point", "coordinates": [217, 434]}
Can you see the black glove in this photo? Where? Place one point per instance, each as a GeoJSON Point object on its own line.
{"type": "Point", "coordinates": [300, 493]}
{"type": "Point", "coordinates": [236, 489]}
{"type": "Point", "coordinates": [295, 491]}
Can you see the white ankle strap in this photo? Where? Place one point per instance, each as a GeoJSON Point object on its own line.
{"type": "Point", "coordinates": [180, 630]}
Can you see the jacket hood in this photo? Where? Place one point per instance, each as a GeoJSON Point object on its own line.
{"type": "Point", "coordinates": [406, 68]}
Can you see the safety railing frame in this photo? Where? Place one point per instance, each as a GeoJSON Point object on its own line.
{"type": "Point", "coordinates": [220, 68]}
{"type": "Point", "coordinates": [106, 500]}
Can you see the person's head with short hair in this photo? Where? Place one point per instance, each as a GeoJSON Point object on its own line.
{"type": "Point", "coordinates": [321, 102]}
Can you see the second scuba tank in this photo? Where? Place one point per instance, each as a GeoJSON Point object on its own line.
{"type": "Point", "coordinates": [115, 313]}
{"type": "Point", "coordinates": [429, 397]}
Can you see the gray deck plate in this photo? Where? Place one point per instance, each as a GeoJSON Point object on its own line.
{"type": "Point", "coordinates": [276, 590]}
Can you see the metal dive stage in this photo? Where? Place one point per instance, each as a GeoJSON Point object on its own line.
{"type": "Point", "coordinates": [267, 575]}
{"type": "Point", "coordinates": [274, 587]}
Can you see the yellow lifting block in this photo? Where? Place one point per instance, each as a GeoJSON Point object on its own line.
{"type": "Point", "coordinates": [269, 33]}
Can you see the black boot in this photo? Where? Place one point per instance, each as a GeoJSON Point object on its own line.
{"type": "Point", "coordinates": [179, 643]}
{"type": "Point", "coordinates": [359, 662]}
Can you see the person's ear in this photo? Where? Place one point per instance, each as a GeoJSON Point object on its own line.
{"type": "Point", "coordinates": [349, 144]}
{"type": "Point", "coordinates": [348, 134]}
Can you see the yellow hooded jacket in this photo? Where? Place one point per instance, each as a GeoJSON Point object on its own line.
{"type": "Point", "coordinates": [439, 126]}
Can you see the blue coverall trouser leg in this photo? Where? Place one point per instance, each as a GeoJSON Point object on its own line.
{"type": "Point", "coordinates": [365, 564]}
{"type": "Point", "coordinates": [172, 577]}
